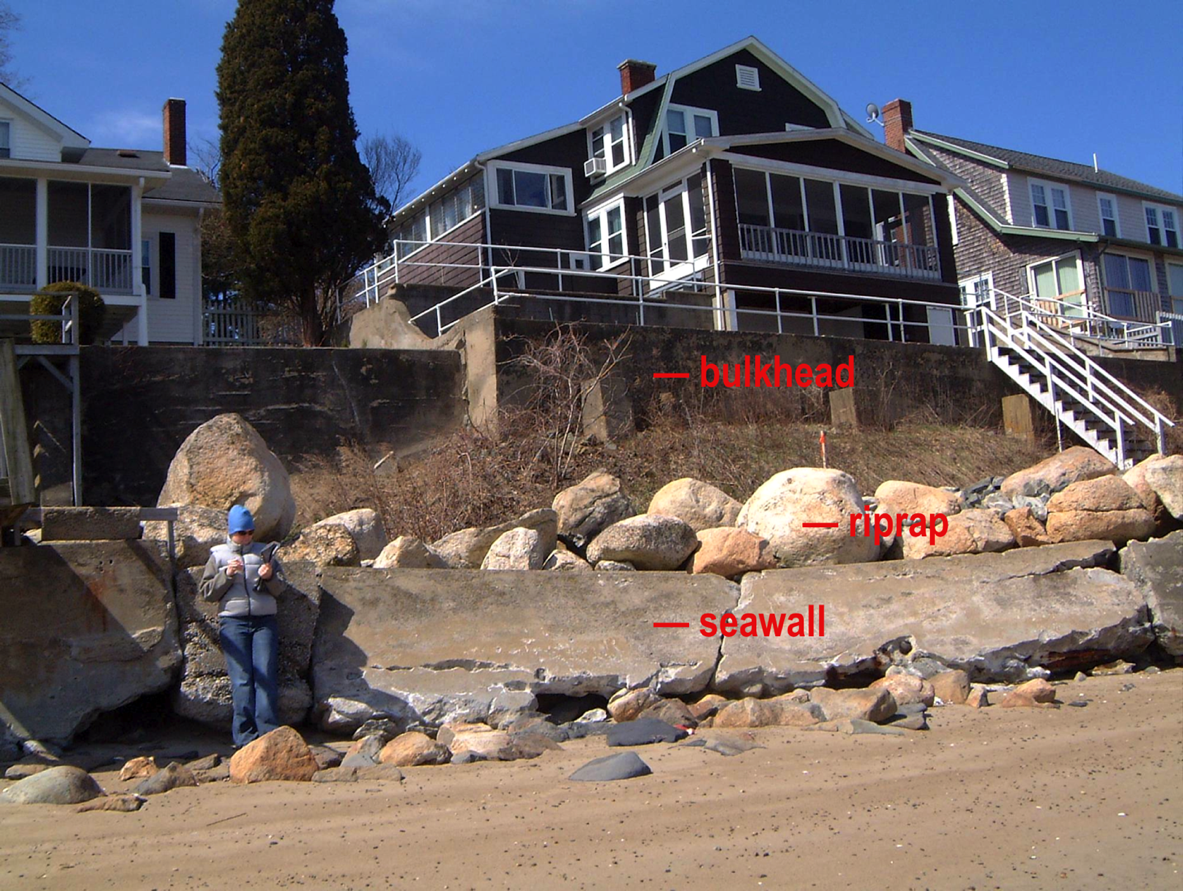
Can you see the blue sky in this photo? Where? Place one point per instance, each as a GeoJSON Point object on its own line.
{"type": "Point", "coordinates": [1065, 79]}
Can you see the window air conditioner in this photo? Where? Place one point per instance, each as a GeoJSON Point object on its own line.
{"type": "Point", "coordinates": [594, 166]}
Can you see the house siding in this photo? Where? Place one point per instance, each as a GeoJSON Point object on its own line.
{"type": "Point", "coordinates": [985, 180]}
{"type": "Point", "coordinates": [834, 155]}
{"type": "Point", "coordinates": [747, 111]}
{"type": "Point", "coordinates": [28, 142]}
{"type": "Point", "coordinates": [173, 320]}
{"type": "Point", "coordinates": [445, 258]}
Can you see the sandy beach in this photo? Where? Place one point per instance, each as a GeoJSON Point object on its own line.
{"type": "Point", "coordinates": [999, 798]}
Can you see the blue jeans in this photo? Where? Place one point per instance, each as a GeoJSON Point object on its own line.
{"type": "Point", "coordinates": [251, 647]}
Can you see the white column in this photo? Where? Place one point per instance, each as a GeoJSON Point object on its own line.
{"type": "Point", "coordinates": [42, 239]}
{"type": "Point", "coordinates": [137, 285]}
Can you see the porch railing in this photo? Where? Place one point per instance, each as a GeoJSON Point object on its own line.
{"type": "Point", "coordinates": [820, 249]}
{"type": "Point", "coordinates": [106, 271]}
{"type": "Point", "coordinates": [1128, 304]}
{"type": "Point", "coordinates": [18, 266]}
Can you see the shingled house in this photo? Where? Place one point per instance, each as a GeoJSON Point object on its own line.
{"type": "Point", "coordinates": [733, 178]}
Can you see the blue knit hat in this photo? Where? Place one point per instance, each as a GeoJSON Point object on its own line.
{"type": "Point", "coordinates": [240, 520]}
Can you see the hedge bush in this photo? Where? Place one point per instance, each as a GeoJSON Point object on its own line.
{"type": "Point", "coordinates": [49, 300]}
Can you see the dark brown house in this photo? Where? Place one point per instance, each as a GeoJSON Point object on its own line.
{"type": "Point", "coordinates": [732, 186]}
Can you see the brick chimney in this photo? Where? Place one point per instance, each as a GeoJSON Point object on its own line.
{"type": "Point", "coordinates": [634, 75]}
{"type": "Point", "coordinates": [174, 132]}
{"type": "Point", "coordinates": [897, 121]}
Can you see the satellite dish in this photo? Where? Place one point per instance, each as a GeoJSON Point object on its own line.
{"type": "Point", "coordinates": [872, 113]}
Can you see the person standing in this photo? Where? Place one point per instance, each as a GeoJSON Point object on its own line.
{"type": "Point", "coordinates": [244, 578]}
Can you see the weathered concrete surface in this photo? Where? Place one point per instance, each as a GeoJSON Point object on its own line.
{"type": "Point", "coordinates": [90, 523]}
{"type": "Point", "coordinates": [87, 627]}
{"type": "Point", "coordinates": [1156, 567]}
{"type": "Point", "coordinates": [425, 645]}
{"type": "Point", "coordinates": [203, 693]}
{"type": "Point", "coordinates": [996, 616]}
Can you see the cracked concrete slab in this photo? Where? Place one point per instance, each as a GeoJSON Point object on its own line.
{"type": "Point", "coordinates": [1005, 617]}
{"type": "Point", "coordinates": [435, 646]}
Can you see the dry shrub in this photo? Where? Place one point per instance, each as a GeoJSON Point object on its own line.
{"type": "Point", "coordinates": [1161, 400]}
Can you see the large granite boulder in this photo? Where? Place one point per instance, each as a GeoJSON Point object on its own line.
{"type": "Point", "coordinates": [1002, 617]}
{"type": "Point", "coordinates": [324, 545]}
{"type": "Point", "coordinates": [897, 496]}
{"type": "Point", "coordinates": [408, 552]}
{"type": "Point", "coordinates": [647, 542]}
{"type": "Point", "coordinates": [1136, 477]}
{"type": "Point", "coordinates": [730, 551]}
{"type": "Point", "coordinates": [1105, 508]}
{"type": "Point", "coordinates": [196, 530]}
{"type": "Point", "coordinates": [697, 504]}
{"type": "Point", "coordinates": [590, 506]}
{"type": "Point", "coordinates": [88, 627]}
{"type": "Point", "coordinates": [778, 510]}
{"type": "Point", "coordinates": [429, 647]}
{"type": "Point", "coordinates": [226, 462]}
{"type": "Point", "coordinates": [467, 548]}
{"type": "Point", "coordinates": [365, 526]}
{"type": "Point", "coordinates": [1165, 477]}
{"type": "Point", "coordinates": [279, 755]}
{"type": "Point", "coordinates": [517, 549]}
{"type": "Point", "coordinates": [1156, 567]}
{"type": "Point", "coordinates": [56, 785]}
{"type": "Point", "coordinates": [975, 531]}
{"type": "Point", "coordinates": [1058, 472]}
{"type": "Point", "coordinates": [203, 693]}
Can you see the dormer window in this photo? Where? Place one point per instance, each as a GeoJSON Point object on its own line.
{"type": "Point", "coordinates": [5, 139]}
{"type": "Point", "coordinates": [609, 143]}
{"type": "Point", "coordinates": [1161, 227]}
{"type": "Point", "coordinates": [684, 124]}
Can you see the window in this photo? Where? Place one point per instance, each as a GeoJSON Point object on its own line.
{"type": "Point", "coordinates": [1057, 286]}
{"type": "Point", "coordinates": [1161, 225]}
{"type": "Point", "coordinates": [684, 124]}
{"type": "Point", "coordinates": [747, 77]}
{"type": "Point", "coordinates": [533, 187]}
{"type": "Point", "coordinates": [168, 266]}
{"type": "Point", "coordinates": [605, 235]}
{"type": "Point", "coordinates": [610, 142]}
{"type": "Point", "coordinates": [1054, 215]}
{"type": "Point", "coordinates": [1127, 282]}
{"type": "Point", "coordinates": [1107, 207]}
{"type": "Point", "coordinates": [5, 139]}
{"type": "Point", "coordinates": [676, 229]}
{"type": "Point", "coordinates": [976, 291]}
{"type": "Point", "coordinates": [1175, 284]}
{"type": "Point", "coordinates": [146, 265]}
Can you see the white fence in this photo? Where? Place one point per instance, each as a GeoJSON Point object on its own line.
{"type": "Point", "coordinates": [234, 321]}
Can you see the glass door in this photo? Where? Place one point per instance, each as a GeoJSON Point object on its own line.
{"type": "Point", "coordinates": [1057, 287]}
{"type": "Point", "coordinates": [676, 230]}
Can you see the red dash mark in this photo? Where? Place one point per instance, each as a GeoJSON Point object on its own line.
{"type": "Point", "coordinates": [684, 375]}
{"type": "Point", "coordinates": [671, 624]}
{"type": "Point", "coordinates": [819, 525]}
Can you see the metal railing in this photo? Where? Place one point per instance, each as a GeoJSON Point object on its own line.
{"type": "Point", "coordinates": [1069, 374]}
{"type": "Point", "coordinates": [104, 270]}
{"type": "Point", "coordinates": [819, 249]}
{"type": "Point", "coordinates": [18, 266]}
{"type": "Point", "coordinates": [66, 317]}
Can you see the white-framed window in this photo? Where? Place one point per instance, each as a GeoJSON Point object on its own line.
{"type": "Point", "coordinates": [610, 141]}
{"type": "Point", "coordinates": [1049, 205]}
{"type": "Point", "coordinates": [676, 235]}
{"type": "Point", "coordinates": [1107, 210]}
{"type": "Point", "coordinates": [5, 139]}
{"type": "Point", "coordinates": [605, 234]}
{"type": "Point", "coordinates": [1128, 279]}
{"type": "Point", "coordinates": [1162, 225]}
{"type": "Point", "coordinates": [747, 77]}
{"type": "Point", "coordinates": [684, 124]}
{"type": "Point", "coordinates": [532, 187]}
{"type": "Point", "coordinates": [1059, 283]}
{"type": "Point", "coordinates": [975, 290]}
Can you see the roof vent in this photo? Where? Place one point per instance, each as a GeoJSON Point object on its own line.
{"type": "Point", "coordinates": [128, 153]}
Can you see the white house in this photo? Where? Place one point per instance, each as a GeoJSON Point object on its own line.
{"type": "Point", "coordinates": [124, 221]}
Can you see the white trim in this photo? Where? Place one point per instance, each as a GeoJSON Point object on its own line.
{"type": "Point", "coordinates": [747, 77]}
{"type": "Point", "coordinates": [694, 263]}
{"type": "Point", "coordinates": [959, 149]}
{"type": "Point", "coordinates": [601, 211]}
{"type": "Point", "coordinates": [1008, 207]}
{"type": "Point", "coordinates": [829, 174]}
{"type": "Point", "coordinates": [1049, 187]}
{"type": "Point", "coordinates": [987, 277]}
{"type": "Point", "coordinates": [528, 141]}
{"type": "Point", "coordinates": [70, 137]}
{"type": "Point", "coordinates": [1158, 208]}
{"type": "Point", "coordinates": [493, 167]}
{"type": "Point", "coordinates": [1076, 255]}
{"type": "Point", "coordinates": [79, 172]}
{"type": "Point", "coordinates": [688, 112]}
{"type": "Point", "coordinates": [627, 134]}
{"type": "Point", "coordinates": [1112, 199]}
{"type": "Point", "coordinates": [952, 203]}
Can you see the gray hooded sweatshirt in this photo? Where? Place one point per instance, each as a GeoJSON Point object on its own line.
{"type": "Point", "coordinates": [236, 595]}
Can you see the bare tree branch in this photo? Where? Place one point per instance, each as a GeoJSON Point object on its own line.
{"type": "Point", "coordinates": [394, 164]}
{"type": "Point", "coordinates": [9, 22]}
{"type": "Point", "coordinates": [207, 153]}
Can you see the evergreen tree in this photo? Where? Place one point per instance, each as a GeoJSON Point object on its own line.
{"type": "Point", "coordinates": [298, 200]}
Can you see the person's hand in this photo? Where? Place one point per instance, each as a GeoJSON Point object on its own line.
{"type": "Point", "coordinates": [233, 568]}
{"type": "Point", "coordinates": [265, 571]}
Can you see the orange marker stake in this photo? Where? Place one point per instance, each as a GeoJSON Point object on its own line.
{"type": "Point", "coordinates": [822, 439]}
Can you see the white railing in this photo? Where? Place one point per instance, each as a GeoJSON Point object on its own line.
{"type": "Point", "coordinates": [106, 271]}
{"type": "Point", "coordinates": [18, 266]}
{"type": "Point", "coordinates": [234, 321]}
{"type": "Point", "coordinates": [66, 318]}
{"type": "Point", "coordinates": [1068, 376]}
{"type": "Point", "coordinates": [1083, 320]}
{"type": "Point", "coordinates": [1128, 304]}
{"type": "Point", "coordinates": [820, 249]}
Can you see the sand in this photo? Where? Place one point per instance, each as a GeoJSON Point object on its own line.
{"type": "Point", "coordinates": [1017, 798]}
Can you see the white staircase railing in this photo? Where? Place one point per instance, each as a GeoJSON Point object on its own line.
{"type": "Point", "coordinates": [1078, 392]}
